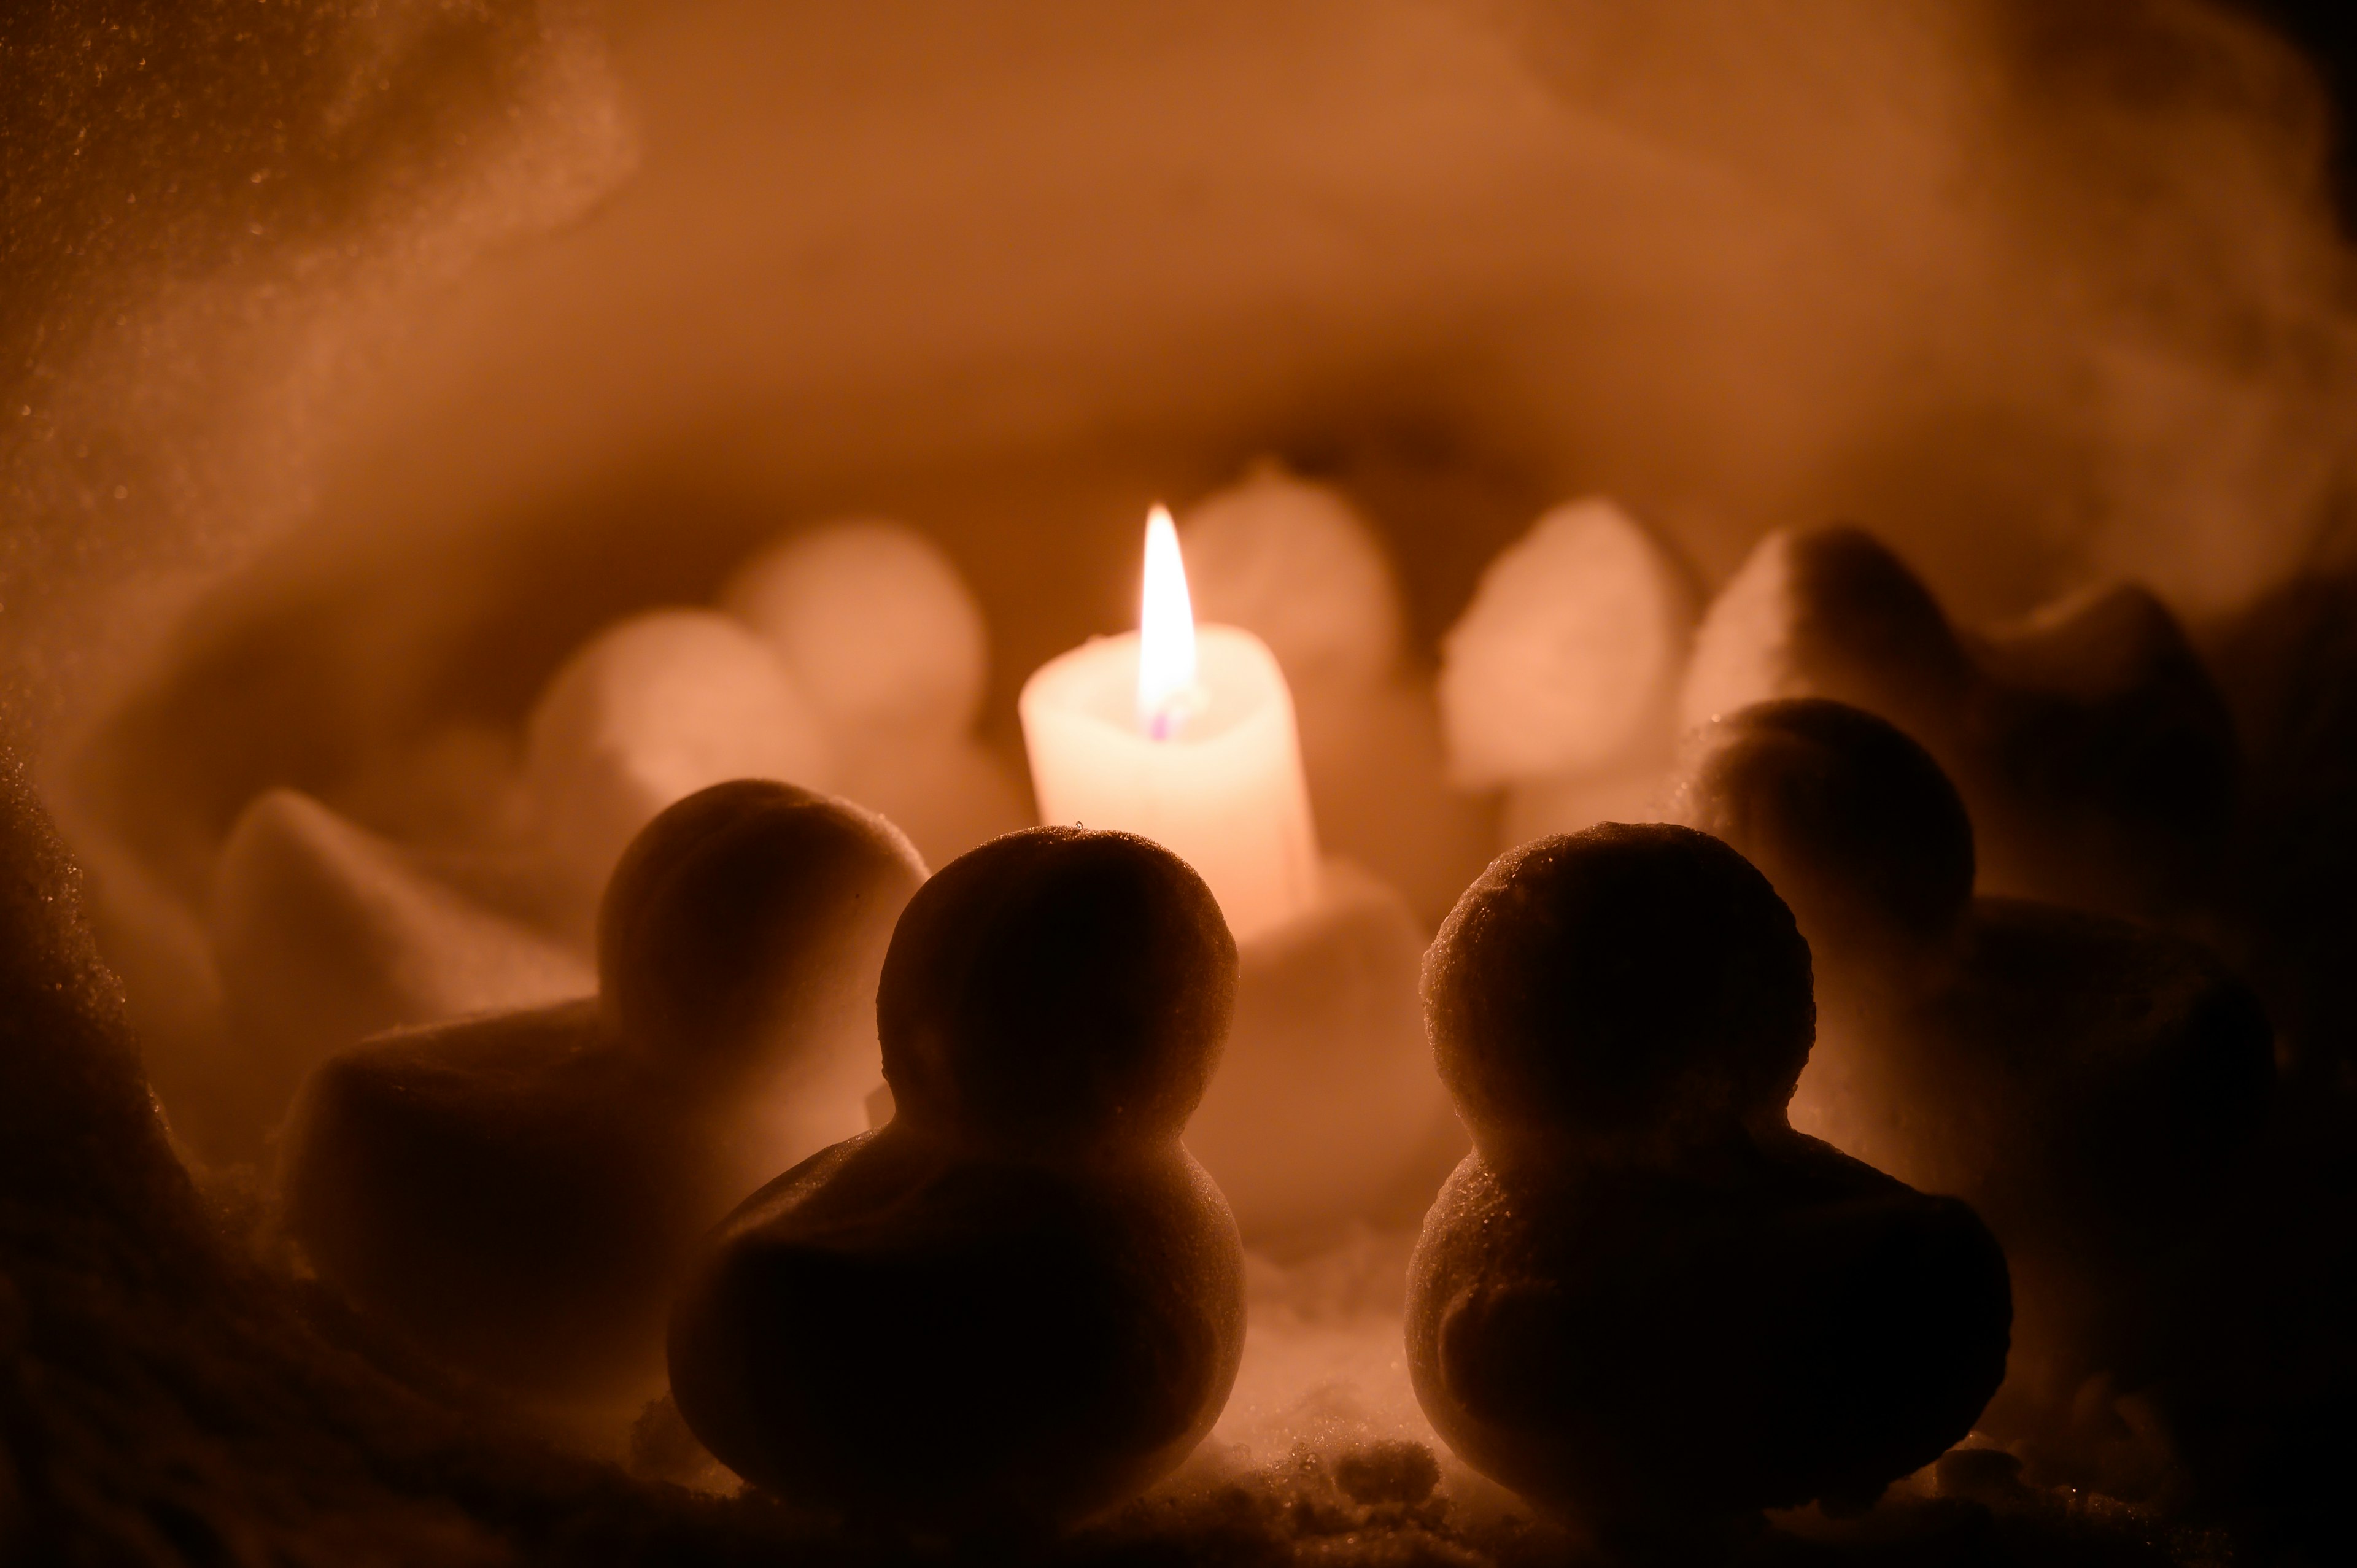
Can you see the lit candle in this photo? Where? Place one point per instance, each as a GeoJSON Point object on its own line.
{"type": "Point", "coordinates": [1185, 735]}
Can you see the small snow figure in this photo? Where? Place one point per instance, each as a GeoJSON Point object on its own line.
{"type": "Point", "coordinates": [521, 1191]}
{"type": "Point", "coordinates": [1020, 1301]}
{"type": "Point", "coordinates": [2089, 1085]}
{"type": "Point", "coordinates": [1643, 1301]}
{"type": "Point", "coordinates": [2096, 752]}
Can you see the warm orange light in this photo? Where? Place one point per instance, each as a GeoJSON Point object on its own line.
{"type": "Point", "coordinates": [1166, 633]}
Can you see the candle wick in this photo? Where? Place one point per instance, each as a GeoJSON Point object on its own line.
{"type": "Point", "coordinates": [1168, 716]}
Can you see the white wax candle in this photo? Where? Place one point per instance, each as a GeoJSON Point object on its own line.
{"type": "Point", "coordinates": [1213, 774]}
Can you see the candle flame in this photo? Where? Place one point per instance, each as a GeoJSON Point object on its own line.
{"type": "Point", "coordinates": [1166, 633]}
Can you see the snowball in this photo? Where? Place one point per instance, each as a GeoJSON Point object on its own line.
{"type": "Point", "coordinates": [873, 622]}
{"type": "Point", "coordinates": [1295, 563]}
{"type": "Point", "coordinates": [747, 926]}
{"type": "Point", "coordinates": [1855, 824]}
{"type": "Point", "coordinates": [650, 711]}
{"type": "Point", "coordinates": [1626, 981]}
{"type": "Point", "coordinates": [1567, 659]}
{"type": "Point", "coordinates": [1058, 988]}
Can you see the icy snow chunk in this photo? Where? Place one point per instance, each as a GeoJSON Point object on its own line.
{"type": "Point", "coordinates": [324, 933]}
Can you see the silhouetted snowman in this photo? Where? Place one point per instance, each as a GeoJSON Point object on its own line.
{"type": "Point", "coordinates": [1643, 1301]}
{"type": "Point", "coordinates": [1020, 1301]}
